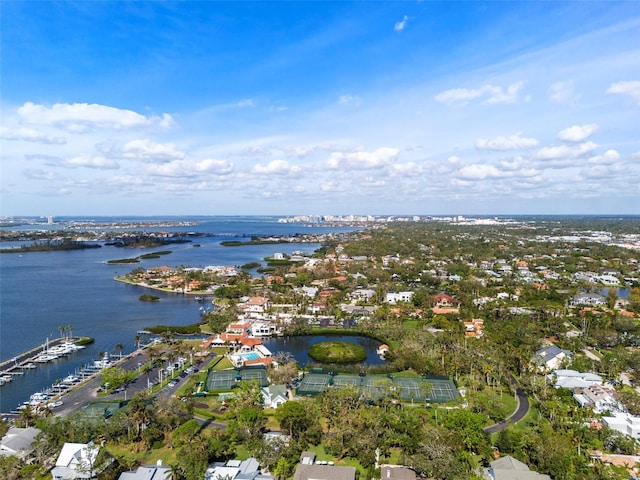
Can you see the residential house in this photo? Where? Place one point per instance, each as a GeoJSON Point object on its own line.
{"type": "Point", "coordinates": [248, 469]}
{"type": "Point", "coordinates": [274, 395]}
{"type": "Point", "coordinates": [17, 442]}
{"type": "Point", "coordinates": [255, 305]}
{"type": "Point", "coordinates": [599, 398]}
{"type": "Point", "coordinates": [77, 461]}
{"type": "Point", "coordinates": [508, 468]}
{"type": "Point", "coordinates": [396, 472]}
{"type": "Point", "coordinates": [591, 299]}
{"type": "Point", "coordinates": [148, 472]}
{"type": "Point", "coordinates": [624, 423]}
{"type": "Point", "coordinates": [396, 297]}
{"type": "Point", "coordinates": [473, 328]}
{"type": "Point", "coordinates": [551, 358]}
{"type": "Point", "coordinates": [573, 379]}
{"type": "Point", "coordinates": [306, 470]}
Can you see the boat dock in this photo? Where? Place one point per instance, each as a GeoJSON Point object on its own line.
{"type": "Point", "coordinates": [25, 360]}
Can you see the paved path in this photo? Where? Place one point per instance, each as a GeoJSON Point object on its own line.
{"type": "Point", "coordinates": [522, 408]}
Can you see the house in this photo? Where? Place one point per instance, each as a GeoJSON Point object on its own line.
{"type": "Point", "coordinates": [149, 472]}
{"type": "Point", "coordinates": [308, 470]}
{"type": "Point", "coordinates": [396, 472]}
{"type": "Point", "coordinates": [624, 423]}
{"type": "Point", "coordinates": [324, 472]}
{"type": "Point", "coordinates": [255, 305]}
{"type": "Point", "coordinates": [508, 468]}
{"type": "Point", "coordinates": [550, 358]}
{"type": "Point", "coordinates": [573, 379]}
{"type": "Point", "coordinates": [591, 299]}
{"type": "Point", "coordinates": [599, 398]}
{"type": "Point", "coordinates": [17, 442]}
{"type": "Point", "coordinates": [395, 297]}
{"type": "Point", "coordinates": [474, 327]}
{"type": "Point", "coordinates": [444, 300]}
{"type": "Point", "coordinates": [77, 461]}
{"type": "Point", "coordinates": [274, 395]}
{"type": "Point", "coordinates": [248, 469]}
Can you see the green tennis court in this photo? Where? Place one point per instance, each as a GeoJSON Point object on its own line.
{"type": "Point", "coordinates": [225, 380]}
{"type": "Point", "coordinates": [430, 388]}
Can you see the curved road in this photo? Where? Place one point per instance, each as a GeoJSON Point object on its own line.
{"type": "Point", "coordinates": [521, 410]}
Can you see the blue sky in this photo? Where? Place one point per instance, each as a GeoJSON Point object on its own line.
{"type": "Point", "coordinates": [153, 108]}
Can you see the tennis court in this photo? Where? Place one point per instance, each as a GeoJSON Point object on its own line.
{"type": "Point", "coordinates": [220, 380]}
{"type": "Point", "coordinates": [314, 383]}
{"type": "Point", "coordinates": [430, 388]}
{"type": "Point", "coordinates": [225, 380]}
{"type": "Point", "coordinates": [254, 373]}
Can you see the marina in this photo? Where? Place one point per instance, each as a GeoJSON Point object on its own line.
{"type": "Point", "coordinates": [45, 353]}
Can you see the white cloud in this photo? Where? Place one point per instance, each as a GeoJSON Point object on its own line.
{"type": "Point", "coordinates": [30, 135]}
{"type": "Point", "coordinates": [566, 151]}
{"type": "Point", "coordinates": [86, 161]}
{"type": "Point", "coordinates": [609, 157]}
{"type": "Point", "coordinates": [491, 94]}
{"type": "Point", "coordinates": [361, 160]}
{"type": "Point", "coordinates": [276, 167]}
{"type": "Point", "coordinates": [483, 171]}
{"type": "Point", "coordinates": [562, 92]}
{"type": "Point", "coordinates": [577, 133]}
{"type": "Point", "coordinates": [83, 117]}
{"type": "Point", "coordinates": [401, 25]}
{"type": "Point", "coordinates": [514, 142]}
{"type": "Point", "coordinates": [247, 102]}
{"type": "Point", "coordinates": [145, 149]}
{"type": "Point", "coordinates": [188, 169]}
{"type": "Point", "coordinates": [37, 174]}
{"type": "Point", "coordinates": [631, 88]}
{"type": "Point", "coordinates": [349, 100]}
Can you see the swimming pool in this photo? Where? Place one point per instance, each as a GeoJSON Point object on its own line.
{"type": "Point", "coordinates": [250, 356]}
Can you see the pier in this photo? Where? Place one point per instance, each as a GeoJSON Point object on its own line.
{"type": "Point", "coordinates": [17, 364]}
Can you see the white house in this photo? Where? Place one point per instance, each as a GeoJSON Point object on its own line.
{"type": "Point", "coordinates": [624, 423]}
{"type": "Point", "coordinates": [274, 395]}
{"type": "Point", "coordinates": [550, 358]}
{"type": "Point", "coordinates": [77, 461]}
{"type": "Point", "coordinates": [395, 297]}
{"type": "Point", "coordinates": [599, 398]}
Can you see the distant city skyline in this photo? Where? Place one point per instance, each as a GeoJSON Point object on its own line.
{"type": "Point", "coordinates": [286, 108]}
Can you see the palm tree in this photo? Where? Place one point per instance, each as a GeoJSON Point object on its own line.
{"type": "Point", "coordinates": [69, 328]}
{"type": "Point", "coordinates": [61, 328]}
{"type": "Point", "coordinates": [119, 348]}
{"type": "Point", "coordinates": [137, 341]}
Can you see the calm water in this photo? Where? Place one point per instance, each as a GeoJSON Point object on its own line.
{"type": "Point", "coordinates": [40, 291]}
{"type": "Point", "coordinates": [298, 347]}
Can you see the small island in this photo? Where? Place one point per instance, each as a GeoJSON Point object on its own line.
{"type": "Point", "coordinates": [337, 352]}
{"type": "Point", "coordinates": [148, 298]}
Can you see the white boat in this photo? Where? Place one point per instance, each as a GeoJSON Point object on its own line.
{"type": "Point", "coordinates": [28, 366]}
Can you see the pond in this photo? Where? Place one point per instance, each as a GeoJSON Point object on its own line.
{"type": "Point", "coordinates": [298, 346]}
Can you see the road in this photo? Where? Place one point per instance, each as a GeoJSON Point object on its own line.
{"type": "Point", "coordinates": [522, 408]}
